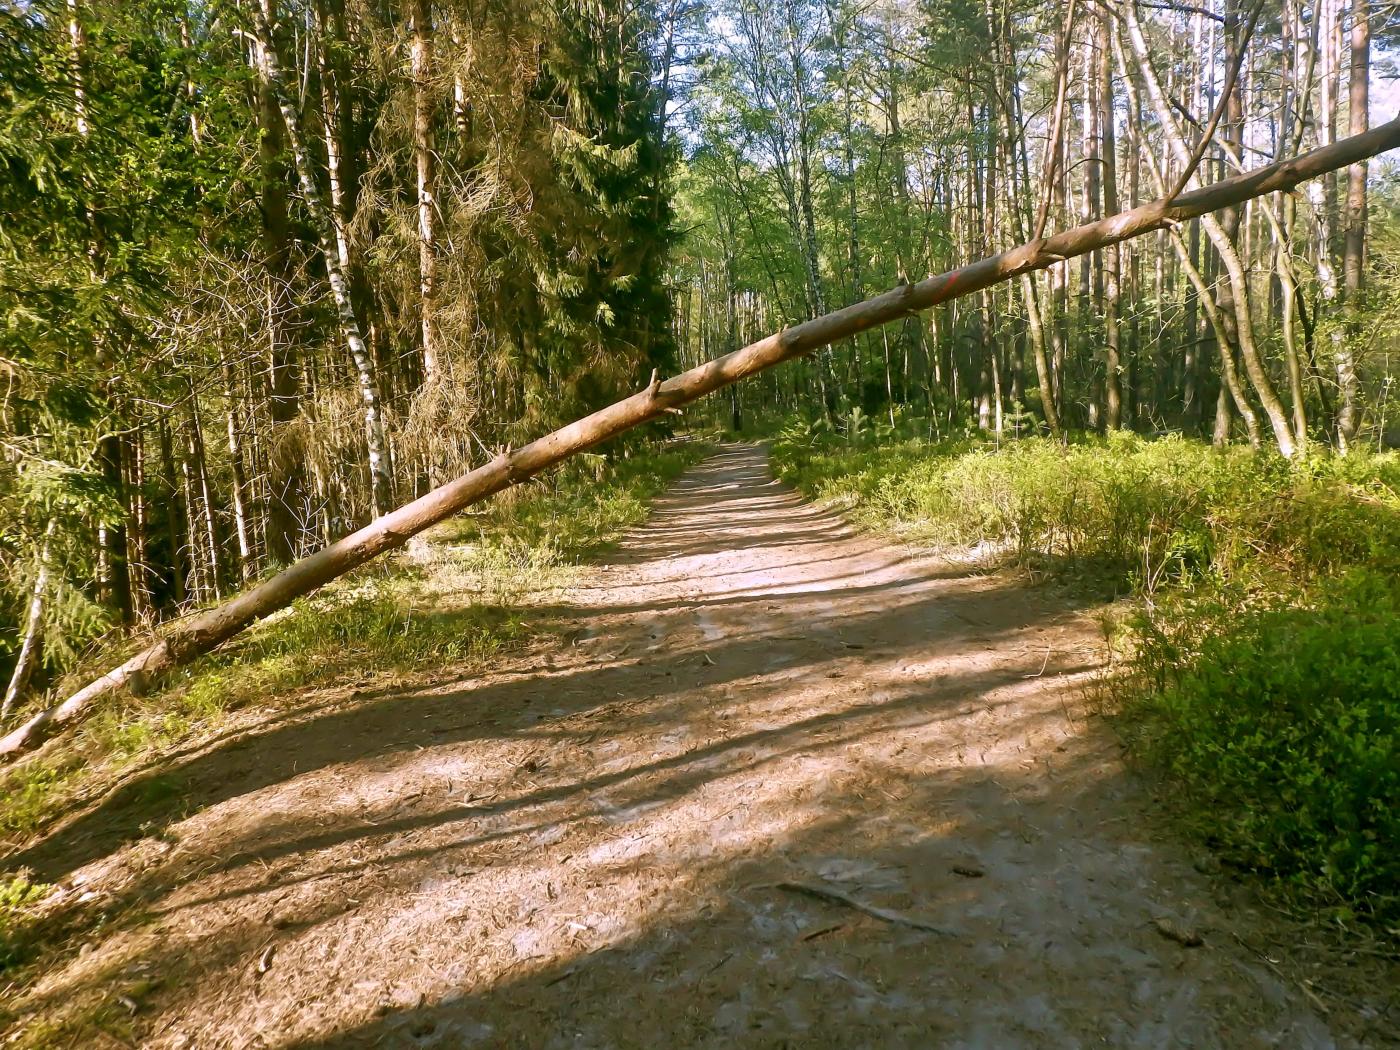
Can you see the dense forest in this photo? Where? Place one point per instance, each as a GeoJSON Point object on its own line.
{"type": "Point", "coordinates": [1097, 292]}
{"type": "Point", "coordinates": [840, 149]}
{"type": "Point", "coordinates": [272, 269]}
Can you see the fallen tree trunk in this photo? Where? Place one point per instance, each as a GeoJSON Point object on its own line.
{"type": "Point", "coordinates": [203, 631]}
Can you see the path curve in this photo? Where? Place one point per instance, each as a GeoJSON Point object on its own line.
{"type": "Point", "coordinates": [604, 848]}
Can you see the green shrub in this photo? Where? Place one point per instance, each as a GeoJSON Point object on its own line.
{"type": "Point", "coordinates": [17, 897]}
{"type": "Point", "coordinates": [1282, 719]}
{"type": "Point", "coordinates": [26, 792]}
{"type": "Point", "coordinates": [1122, 512]}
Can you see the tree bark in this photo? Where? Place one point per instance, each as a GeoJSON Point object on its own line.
{"type": "Point", "coordinates": [33, 627]}
{"type": "Point", "coordinates": [1113, 362]}
{"type": "Point", "coordinates": [1231, 389]}
{"type": "Point", "coordinates": [1037, 309]}
{"type": "Point", "coordinates": [1322, 195]}
{"type": "Point", "coordinates": [1290, 130]}
{"type": "Point", "coordinates": [286, 479]}
{"type": "Point", "coordinates": [238, 481]}
{"type": "Point", "coordinates": [139, 540]}
{"type": "Point", "coordinates": [425, 159]}
{"type": "Point", "coordinates": [204, 631]}
{"type": "Point", "coordinates": [1237, 308]}
{"type": "Point", "coordinates": [1355, 239]}
{"type": "Point", "coordinates": [177, 515]}
{"type": "Point", "coordinates": [326, 232]}
{"type": "Point", "coordinates": [115, 576]}
{"type": "Point", "coordinates": [806, 212]}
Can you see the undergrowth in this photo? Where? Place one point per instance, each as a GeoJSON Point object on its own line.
{"type": "Point", "coordinates": [453, 597]}
{"type": "Point", "coordinates": [17, 897]}
{"type": "Point", "coordinates": [1263, 673]}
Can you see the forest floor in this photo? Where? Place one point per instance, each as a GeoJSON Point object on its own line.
{"type": "Point", "coordinates": [777, 783]}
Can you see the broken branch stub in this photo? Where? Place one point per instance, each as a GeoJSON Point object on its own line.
{"type": "Point", "coordinates": [202, 632]}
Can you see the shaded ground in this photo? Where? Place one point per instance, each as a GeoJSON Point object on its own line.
{"type": "Point", "coordinates": [587, 849]}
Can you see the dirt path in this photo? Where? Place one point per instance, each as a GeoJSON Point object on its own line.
{"type": "Point", "coordinates": [590, 852]}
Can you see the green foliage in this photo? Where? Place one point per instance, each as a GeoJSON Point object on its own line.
{"type": "Point", "coordinates": [1264, 670]}
{"type": "Point", "coordinates": [602, 219]}
{"type": "Point", "coordinates": [101, 191]}
{"type": "Point", "coordinates": [27, 791]}
{"type": "Point", "coordinates": [1122, 512]}
{"type": "Point", "coordinates": [377, 622]}
{"type": "Point", "coordinates": [146, 207]}
{"type": "Point", "coordinates": [572, 513]}
{"type": "Point", "coordinates": [17, 899]}
{"type": "Point", "coordinates": [1282, 719]}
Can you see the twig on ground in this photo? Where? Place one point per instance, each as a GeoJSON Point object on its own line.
{"type": "Point", "coordinates": [1043, 664]}
{"type": "Point", "coordinates": [883, 914]}
{"type": "Point", "coordinates": [1303, 986]}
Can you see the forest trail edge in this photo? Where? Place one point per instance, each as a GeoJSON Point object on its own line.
{"type": "Point", "coordinates": [616, 843]}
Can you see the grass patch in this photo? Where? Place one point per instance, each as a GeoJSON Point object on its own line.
{"type": "Point", "coordinates": [1122, 513]}
{"type": "Point", "coordinates": [1263, 673]}
{"type": "Point", "coordinates": [18, 920]}
{"type": "Point", "coordinates": [573, 513]}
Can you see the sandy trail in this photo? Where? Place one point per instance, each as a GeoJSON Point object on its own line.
{"type": "Point", "coordinates": [587, 851]}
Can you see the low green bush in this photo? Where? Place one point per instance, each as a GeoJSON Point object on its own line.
{"type": "Point", "coordinates": [17, 919]}
{"type": "Point", "coordinates": [1280, 715]}
{"type": "Point", "coordinates": [1123, 511]}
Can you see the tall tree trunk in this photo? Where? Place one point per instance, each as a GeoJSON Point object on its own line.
{"type": "Point", "coordinates": [113, 576]}
{"type": "Point", "coordinates": [177, 515]}
{"type": "Point", "coordinates": [116, 576]}
{"type": "Point", "coordinates": [32, 645]}
{"type": "Point", "coordinates": [1018, 160]}
{"type": "Point", "coordinates": [1353, 261]}
{"type": "Point", "coordinates": [1322, 194]}
{"type": "Point", "coordinates": [200, 588]}
{"type": "Point", "coordinates": [1236, 309]}
{"type": "Point", "coordinates": [425, 161]}
{"type": "Point", "coordinates": [1090, 274]}
{"type": "Point", "coordinates": [1231, 389]}
{"type": "Point", "coordinates": [247, 564]}
{"type": "Point", "coordinates": [811, 256]}
{"type": "Point", "coordinates": [286, 480]}
{"type": "Point", "coordinates": [840, 35]}
{"type": "Point", "coordinates": [1232, 296]}
{"type": "Point", "coordinates": [1290, 131]}
{"type": "Point", "coordinates": [1195, 337]}
{"type": "Point", "coordinates": [1113, 365]}
{"type": "Point", "coordinates": [139, 541]}
{"type": "Point", "coordinates": [202, 496]}
{"type": "Point", "coordinates": [326, 231]}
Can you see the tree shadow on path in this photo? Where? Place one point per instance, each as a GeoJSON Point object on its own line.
{"type": "Point", "coordinates": [590, 852]}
